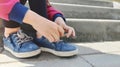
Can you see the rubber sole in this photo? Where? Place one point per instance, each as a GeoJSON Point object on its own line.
{"type": "Point", "coordinates": [24, 54]}
{"type": "Point", "coordinates": [60, 53]}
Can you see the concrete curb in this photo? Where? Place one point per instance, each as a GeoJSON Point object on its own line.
{"type": "Point", "coordinates": [86, 11]}
{"type": "Point", "coordinates": [91, 30]}
{"type": "Point", "coordinates": [86, 2]}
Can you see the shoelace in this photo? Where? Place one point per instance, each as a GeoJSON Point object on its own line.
{"type": "Point", "coordinates": [22, 37]}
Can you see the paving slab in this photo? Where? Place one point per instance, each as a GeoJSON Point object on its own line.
{"type": "Point", "coordinates": [50, 63]}
{"type": "Point", "coordinates": [98, 48]}
{"type": "Point", "coordinates": [6, 59]}
{"type": "Point", "coordinates": [108, 56]}
{"type": "Point", "coordinates": [43, 60]}
{"type": "Point", "coordinates": [104, 60]}
{"type": "Point", "coordinates": [99, 54]}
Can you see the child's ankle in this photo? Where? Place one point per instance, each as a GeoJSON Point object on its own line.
{"type": "Point", "coordinates": [6, 35]}
{"type": "Point", "coordinates": [9, 31]}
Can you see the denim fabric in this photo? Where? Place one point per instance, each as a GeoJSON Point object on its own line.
{"type": "Point", "coordinates": [57, 46]}
{"type": "Point", "coordinates": [17, 46]}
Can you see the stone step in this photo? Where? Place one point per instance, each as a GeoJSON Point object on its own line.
{"type": "Point", "coordinates": [89, 30]}
{"type": "Point", "coordinates": [111, 0]}
{"type": "Point", "coordinates": [93, 30]}
{"type": "Point", "coordinates": [86, 2]}
{"type": "Point", "coordinates": [86, 11]}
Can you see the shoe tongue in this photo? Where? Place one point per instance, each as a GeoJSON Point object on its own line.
{"type": "Point", "coordinates": [20, 34]}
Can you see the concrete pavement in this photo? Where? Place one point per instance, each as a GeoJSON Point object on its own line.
{"type": "Point", "coordinates": [99, 54]}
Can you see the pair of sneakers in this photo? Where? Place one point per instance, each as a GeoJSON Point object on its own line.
{"type": "Point", "coordinates": [24, 46]}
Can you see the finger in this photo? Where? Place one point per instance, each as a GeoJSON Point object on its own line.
{"type": "Point", "coordinates": [73, 33]}
{"type": "Point", "coordinates": [50, 38]}
{"type": "Point", "coordinates": [69, 33]}
{"type": "Point", "coordinates": [61, 31]}
{"type": "Point", "coordinates": [56, 37]}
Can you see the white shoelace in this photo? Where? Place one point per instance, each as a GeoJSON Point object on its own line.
{"type": "Point", "coordinates": [22, 37]}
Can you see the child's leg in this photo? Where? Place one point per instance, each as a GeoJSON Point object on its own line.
{"type": "Point", "coordinates": [26, 27]}
{"type": "Point", "coordinates": [38, 6]}
{"type": "Point", "coordinates": [10, 27]}
{"type": "Point", "coordinates": [23, 1]}
{"type": "Point", "coordinates": [18, 43]}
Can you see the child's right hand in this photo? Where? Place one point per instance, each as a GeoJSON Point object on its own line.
{"type": "Point", "coordinates": [45, 27]}
{"type": "Point", "coordinates": [51, 31]}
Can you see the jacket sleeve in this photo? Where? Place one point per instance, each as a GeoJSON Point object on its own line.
{"type": "Point", "coordinates": [53, 13]}
{"type": "Point", "coordinates": [12, 10]}
{"type": "Point", "coordinates": [5, 8]}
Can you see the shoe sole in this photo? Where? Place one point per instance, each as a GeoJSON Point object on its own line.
{"type": "Point", "coordinates": [25, 54]}
{"type": "Point", "coordinates": [60, 53]}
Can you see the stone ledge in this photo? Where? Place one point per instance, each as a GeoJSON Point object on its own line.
{"type": "Point", "coordinates": [95, 30]}
{"type": "Point", "coordinates": [86, 2]}
{"type": "Point", "coordinates": [86, 11]}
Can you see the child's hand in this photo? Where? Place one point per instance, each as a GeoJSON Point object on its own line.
{"type": "Point", "coordinates": [69, 30]}
{"type": "Point", "coordinates": [46, 28]}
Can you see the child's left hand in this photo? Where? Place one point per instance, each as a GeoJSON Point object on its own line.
{"type": "Point", "coordinates": [69, 30]}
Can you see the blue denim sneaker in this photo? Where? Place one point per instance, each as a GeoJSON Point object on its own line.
{"type": "Point", "coordinates": [21, 45]}
{"type": "Point", "coordinates": [57, 48]}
